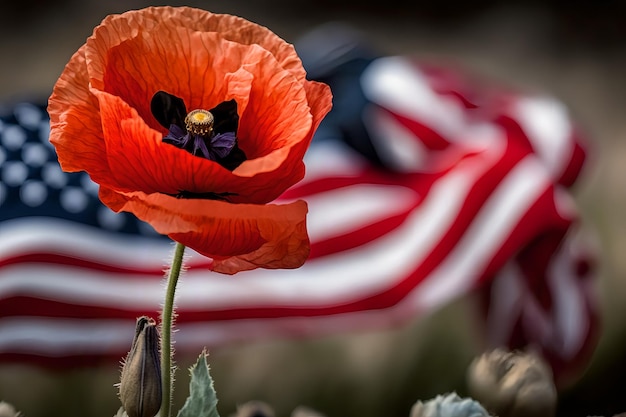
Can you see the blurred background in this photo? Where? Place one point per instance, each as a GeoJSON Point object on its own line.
{"type": "Point", "coordinates": [573, 50]}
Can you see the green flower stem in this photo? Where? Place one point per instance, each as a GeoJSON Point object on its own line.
{"type": "Point", "coordinates": [167, 320]}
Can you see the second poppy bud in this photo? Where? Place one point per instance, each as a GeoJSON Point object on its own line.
{"type": "Point", "coordinates": [140, 385]}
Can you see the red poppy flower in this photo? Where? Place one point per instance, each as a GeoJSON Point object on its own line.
{"type": "Point", "coordinates": [119, 112]}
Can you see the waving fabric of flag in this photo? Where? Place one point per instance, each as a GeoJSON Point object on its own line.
{"type": "Point", "coordinates": [423, 191]}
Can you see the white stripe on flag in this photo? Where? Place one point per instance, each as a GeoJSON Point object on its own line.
{"type": "Point", "coordinates": [57, 337]}
{"type": "Point", "coordinates": [50, 235]}
{"type": "Point", "coordinates": [571, 321]}
{"type": "Point", "coordinates": [547, 124]}
{"type": "Point", "coordinates": [398, 85]}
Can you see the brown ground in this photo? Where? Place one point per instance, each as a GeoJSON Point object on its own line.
{"type": "Point", "coordinates": [577, 54]}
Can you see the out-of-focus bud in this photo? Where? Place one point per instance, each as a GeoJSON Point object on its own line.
{"type": "Point", "coordinates": [254, 409]}
{"type": "Point", "coordinates": [7, 410]}
{"type": "Point", "coordinates": [449, 405]}
{"type": "Point", "coordinates": [140, 385]}
{"type": "Point", "coordinates": [121, 413]}
{"type": "Point", "coordinates": [513, 384]}
{"type": "Point", "coordinates": [304, 411]}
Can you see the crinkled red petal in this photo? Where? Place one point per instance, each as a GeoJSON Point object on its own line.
{"type": "Point", "coordinates": [237, 237]}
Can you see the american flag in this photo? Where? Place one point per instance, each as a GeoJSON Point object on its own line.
{"type": "Point", "coordinates": [427, 189]}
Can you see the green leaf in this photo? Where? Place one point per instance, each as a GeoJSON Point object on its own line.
{"type": "Point", "coordinates": [202, 400]}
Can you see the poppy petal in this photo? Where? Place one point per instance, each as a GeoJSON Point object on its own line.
{"type": "Point", "coordinates": [139, 159]}
{"type": "Point", "coordinates": [237, 237]}
{"type": "Point", "coordinates": [75, 127]}
{"type": "Point", "coordinates": [119, 27]}
{"type": "Point", "coordinates": [268, 176]}
{"type": "Point", "coordinates": [203, 69]}
{"type": "Point", "coordinates": [239, 30]}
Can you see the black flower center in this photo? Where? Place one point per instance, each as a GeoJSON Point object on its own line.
{"type": "Point", "coordinates": [210, 134]}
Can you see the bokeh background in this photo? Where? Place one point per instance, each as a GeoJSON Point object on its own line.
{"type": "Point", "coordinates": [574, 50]}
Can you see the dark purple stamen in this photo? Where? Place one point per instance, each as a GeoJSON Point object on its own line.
{"type": "Point", "coordinates": [219, 145]}
{"type": "Point", "coordinates": [215, 148]}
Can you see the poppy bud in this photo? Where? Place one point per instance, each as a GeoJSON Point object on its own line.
{"type": "Point", "coordinates": [449, 405]}
{"type": "Point", "coordinates": [513, 384]}
{"type": "Point", "coordinates": [7, 410]}
{"type": "Point", "coordinates": [140, 385]}
{"type": "Point", "coordinates": [254, 409]}
{"type": "Point", "coordinates": [304, 411]}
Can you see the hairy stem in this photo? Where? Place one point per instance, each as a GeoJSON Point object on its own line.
{"type": "Point", "coordinates": [167, 322]}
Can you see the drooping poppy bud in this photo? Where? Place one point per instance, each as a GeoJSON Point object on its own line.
{"type": "Point", "coordinates": [140, 385]}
